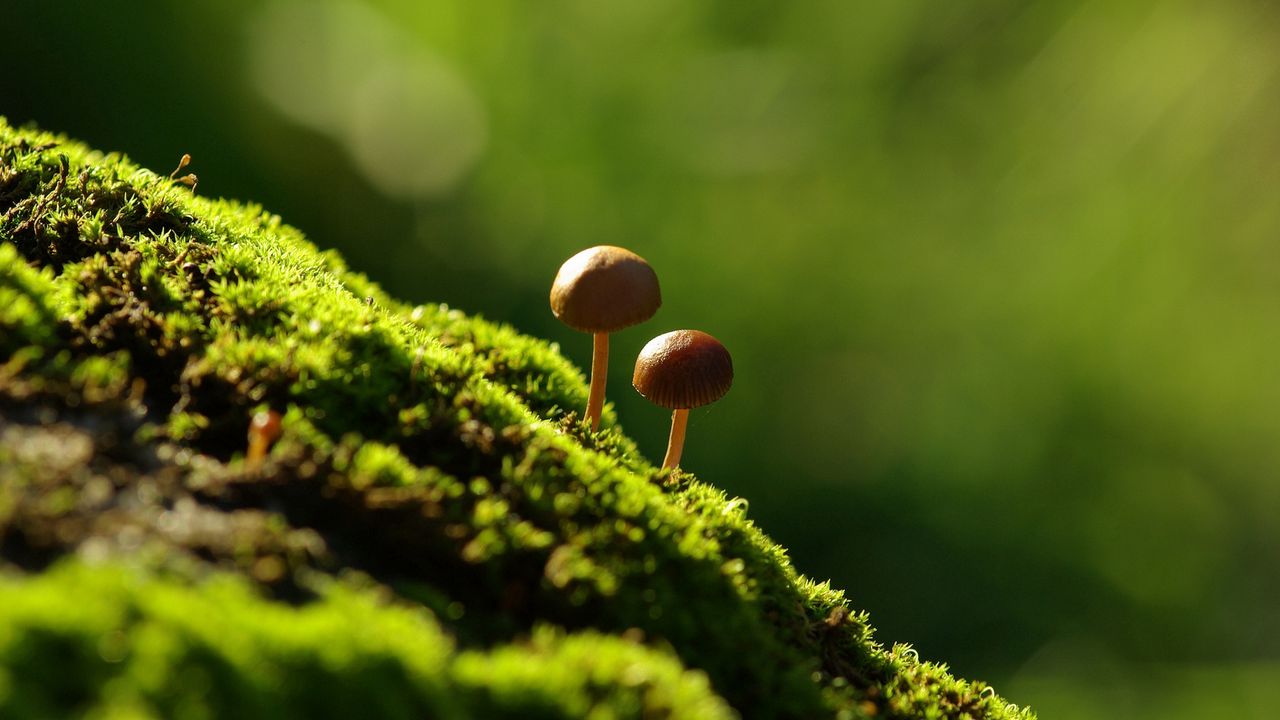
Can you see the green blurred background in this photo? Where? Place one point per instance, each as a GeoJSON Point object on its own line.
{"type": "Point", "coordinates": [1000, 278]}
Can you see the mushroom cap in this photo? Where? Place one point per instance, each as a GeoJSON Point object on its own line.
{"type": "Point", "coordinates": [683, 369]}
{"type": "Point", "coordinates": [603, 289]}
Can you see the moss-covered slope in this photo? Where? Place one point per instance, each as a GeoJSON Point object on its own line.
{"type": "Point", "coordinates": [432, 536]}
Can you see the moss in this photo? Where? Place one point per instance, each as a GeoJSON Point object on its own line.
{"type": "Point", "coordinates": [425, 453]}
{"type": "Point", "coordinates": [152, 647]}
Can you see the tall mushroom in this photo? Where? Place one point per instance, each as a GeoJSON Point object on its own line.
{"type": "Point", "coordinates": [682, 370]}
{"type": "Point", "coordinates": [602, 290]}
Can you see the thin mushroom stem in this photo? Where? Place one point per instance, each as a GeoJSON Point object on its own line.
{"type": "Point", "coordinates": [675, 445]}
{"type": "Point", "coordinates": [258, 445]}
{"type": "Point", "coordinates": [599, 373]}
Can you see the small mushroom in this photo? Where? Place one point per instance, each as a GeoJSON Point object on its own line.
{"type": "Point", "coordinates": [263, 430]}
{"type": "Point", "coordinates": [682, 370]}
{"type": "Point", "coordinates": [602, 290]}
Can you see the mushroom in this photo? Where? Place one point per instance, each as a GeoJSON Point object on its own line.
{"type": "Point", "coordinates": [263, 430]}
{"type": "Point", "coordinates": [602, 290]}
{"type": "Point", "coordinates": [682, 370]}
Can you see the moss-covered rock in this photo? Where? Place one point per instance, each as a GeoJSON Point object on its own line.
{"type": "Point", "coordinates": [434, 535]}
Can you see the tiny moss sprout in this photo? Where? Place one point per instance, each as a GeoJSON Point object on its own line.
{"type": "Point", "coordinates": [263, 430]}
{"type": "Point", "coordinates": [682, 370]}
{"type": "Point", "coordinates": [190, 179]}
{"type": "Point", "coordinates": [602, 290]}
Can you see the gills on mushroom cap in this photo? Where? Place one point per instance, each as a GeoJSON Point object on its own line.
{"type": "Point", "coordinates": [683, 369]}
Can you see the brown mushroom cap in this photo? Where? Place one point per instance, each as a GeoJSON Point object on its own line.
{"type": "Point", "coordinates": [683, 369]}
{"type": "Point", "coordinates": [603, 289]}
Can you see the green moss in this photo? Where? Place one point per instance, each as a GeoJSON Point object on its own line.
{"type": "Point", "coordinates": [433, 453]}
{"type": "Point", "coordinates": [149, 647]}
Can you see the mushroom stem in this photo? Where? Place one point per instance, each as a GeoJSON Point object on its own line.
{"type": "Point", "coordinates": [258, 445]}
{"type": "Point", "coordinates": [675, 445]}
{"type": "Point", "coordinates": [599, 372]}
